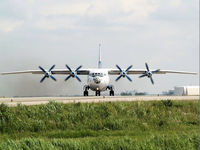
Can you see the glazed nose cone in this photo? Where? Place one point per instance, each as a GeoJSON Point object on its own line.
{"type": "Point", "coordinates": [97, 80]}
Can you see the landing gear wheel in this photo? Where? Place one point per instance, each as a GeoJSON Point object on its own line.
{"type": "Point", "coordinates": [98, 93]}
{"type": "Point", "coordinates": [86, 88]}
{"type": "Point", "coordinates": [85, 93]}
{"type": "Point", "coordinates": [112, 93]}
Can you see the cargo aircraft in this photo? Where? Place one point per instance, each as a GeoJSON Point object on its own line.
{"type": "Point", "coordinates": [98, 79]}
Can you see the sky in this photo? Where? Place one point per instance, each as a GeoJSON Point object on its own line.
{"type": "Point", "coordinates": [33, 32]}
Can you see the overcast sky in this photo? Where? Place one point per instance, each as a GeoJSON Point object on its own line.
{"type": "Point", "coordinates": [45, 32]}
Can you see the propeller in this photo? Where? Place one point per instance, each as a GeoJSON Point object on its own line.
{"type": "Point", "coordinates": [124, 73]}
{"type": "Point", "coordinates": [47, 74]}
{"type": "Point", "coordinates": [149, 73]}
{"type": "Point", "coordinates": [73, 74]}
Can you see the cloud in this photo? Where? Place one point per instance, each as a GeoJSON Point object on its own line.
{"type": "Point", "coordinates": [31, 1]}
{"type": "Point", "coordinates": [10, 25]}
{"type": "Point", "coordinates": [136, 11]}
{"type": "Point", "coordinates": [53, 24]}
{"type": "Point", "coordinates": [53, 15]}
{"type": "Point", "coordinates": [58, 9]}
{"type": "Point", "coordinates": [113, 12]}
{"type": "Point", "coordinates": [175, 3]}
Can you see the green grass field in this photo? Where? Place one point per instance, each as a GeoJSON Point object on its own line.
{"type": "Point", "coordinates": [155, 125]}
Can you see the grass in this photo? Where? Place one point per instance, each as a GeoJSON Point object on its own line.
{"type": "Point", "coordinates": [112, 125]}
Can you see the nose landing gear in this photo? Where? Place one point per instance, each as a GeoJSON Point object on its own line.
{"type": "Point", "coordinates": [98, 93]}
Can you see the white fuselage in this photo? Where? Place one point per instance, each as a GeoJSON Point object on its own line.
{"type": "Point", "coordinates": [98, 79]}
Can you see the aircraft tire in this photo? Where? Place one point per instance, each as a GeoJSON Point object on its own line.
{"type": "Point", "coordinates": [85, 93]}
{"type": "Point", "coordinates": [98, 93]}
{"type": "Point", "coordinates": [112, 93]}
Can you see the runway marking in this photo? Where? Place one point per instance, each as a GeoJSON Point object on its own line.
{"type": "Point", "coordinates": [91, 99]}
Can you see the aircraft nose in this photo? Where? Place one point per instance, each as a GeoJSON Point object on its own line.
{"type": "Point", "coordinates": [97, 80]}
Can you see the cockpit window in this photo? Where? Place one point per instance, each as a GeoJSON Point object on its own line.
{"type": "Point", "coordinates": [96, 74]}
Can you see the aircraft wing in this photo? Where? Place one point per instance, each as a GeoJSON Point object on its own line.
{"type": "Point", "coordinates": [143, 71]}
{"type": "Point", "coordinates": [56, 71]}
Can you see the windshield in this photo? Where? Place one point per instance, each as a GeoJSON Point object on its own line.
{"type": "Point", "coordinates": [96, 74]}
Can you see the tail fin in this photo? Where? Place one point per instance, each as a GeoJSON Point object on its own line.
{"type": "Point", "coordinates": [99, 63]}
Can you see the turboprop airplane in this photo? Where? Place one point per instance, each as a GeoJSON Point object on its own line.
{"type": "Point", "coordinates": [98, 79]}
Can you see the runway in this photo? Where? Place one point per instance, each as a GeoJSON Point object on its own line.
{"type": "Point", "coordinates": [91, 99]}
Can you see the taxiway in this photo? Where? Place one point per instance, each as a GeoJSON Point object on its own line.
{"type": "Point", "coordinates": [92, 99]}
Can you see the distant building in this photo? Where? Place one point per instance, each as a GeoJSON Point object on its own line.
{"type": "Point", "coordinates": [186, 90]}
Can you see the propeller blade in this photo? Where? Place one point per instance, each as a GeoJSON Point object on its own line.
{"type": "Point", "coordinates": [129, 68]}
{"type": "Point", "coordinates": [128, 78]}
{"type": "Point", "coordinates": [42, 69]}
{"type": "Point", "coordinates": [78, 68]}
{"type": "Point", "coordinates": [118, 78]}
{"type": "Point", "coordinates": [119, 68]}
{"type": "Point", "coordinates": [151, 80]}
{"type": "Point", "coordinates": [158, 70]}
{"type": "Point", "coordinates": [68, 68]}
{"type": "Point", "coordinates": [42, 79]}
{"type": "Point", "coordinates": [144, 75]}
{"type": "Point", "coordinates": [52, 77]}
{"type": "Point", "coordinates": [52, 68]}
{"type": "Point", "coordinates": [47, 74]}
{"type": "Point", "coordinates": [78, 78]}
{"type": "Point", "coordinates": [68, 78]}
{"type": "Point", "coordinates": [73, 74]}
{"type": "Point", "coordinates": [147, 67]}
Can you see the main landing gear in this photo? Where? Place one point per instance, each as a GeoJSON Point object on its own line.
{"type": "Point", "coordinates": [86, 88]}
{"type": "Point", "coordinates": [85, 93]}
{"type": "Point", "coordinates": [112, 93]}
{"type": "Point", "coordinates": [111, 88]}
